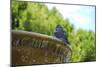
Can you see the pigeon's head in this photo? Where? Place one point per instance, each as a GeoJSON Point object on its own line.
{"type": "Point", "coordinates": [59, 28]}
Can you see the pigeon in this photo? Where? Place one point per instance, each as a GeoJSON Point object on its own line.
{"type": "Point", "coordinates": [61, 34]}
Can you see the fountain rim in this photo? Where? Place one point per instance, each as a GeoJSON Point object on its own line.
{"type": "Point", "coordinates": [38, 35]}
{"type": "Point", "coordinates": [45, 37]}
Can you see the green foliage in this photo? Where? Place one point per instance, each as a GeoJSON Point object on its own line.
{"type": "Point", "coordinates": [36, 17]}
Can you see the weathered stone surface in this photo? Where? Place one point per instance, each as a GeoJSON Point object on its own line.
{"type": "Point", "coordinates": [33, 48]}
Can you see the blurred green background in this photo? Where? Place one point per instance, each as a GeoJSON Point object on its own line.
{"type": "Point", "coordinates": [36, 17]}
